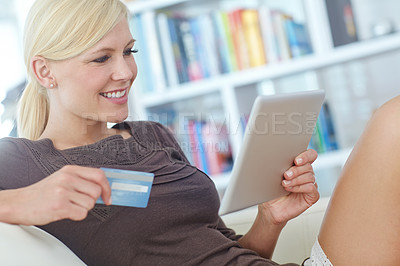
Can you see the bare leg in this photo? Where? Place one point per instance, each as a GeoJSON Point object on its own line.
{"type": "Point", "coordinates": [362, 223]}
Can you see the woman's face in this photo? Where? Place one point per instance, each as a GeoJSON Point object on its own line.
{"type": "Point", "coordinates": [95, 84]}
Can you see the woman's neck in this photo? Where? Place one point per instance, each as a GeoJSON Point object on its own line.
{"type": "Point", "coordinates": [65, 135]}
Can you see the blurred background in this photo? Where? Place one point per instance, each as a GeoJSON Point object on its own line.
{"type": "Point", "coordinates": [12, 68]}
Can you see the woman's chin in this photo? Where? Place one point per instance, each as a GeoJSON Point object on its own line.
{"type": "Point", "coordinates": [115, 118]}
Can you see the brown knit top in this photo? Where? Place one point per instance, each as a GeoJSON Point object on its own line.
{"type": "Point", "coordinates": [180, 225]}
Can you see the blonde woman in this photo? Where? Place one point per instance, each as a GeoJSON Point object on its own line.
{"type": "Point", "coordinates": [79, 61]}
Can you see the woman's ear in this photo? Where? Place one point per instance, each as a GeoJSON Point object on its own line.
{"type": "Point", "coordinates": [41, 69]}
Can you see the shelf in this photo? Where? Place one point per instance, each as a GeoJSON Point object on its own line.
{"type": "Point", "coordinates": [339, 55]}
{"type": "Point", "coordinates": [326, 160]}
{"type": "Point", "coordinates": [138, 6]}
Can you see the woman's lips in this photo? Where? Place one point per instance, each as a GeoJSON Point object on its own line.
{"type": "Point", "coordinates": [117, 97]}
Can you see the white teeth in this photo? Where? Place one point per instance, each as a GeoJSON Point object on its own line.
{"type": "Point", "coordinates": [117, 94]}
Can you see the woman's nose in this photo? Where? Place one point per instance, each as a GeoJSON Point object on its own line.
{"type": "Point", "coordinates": [123, 69]}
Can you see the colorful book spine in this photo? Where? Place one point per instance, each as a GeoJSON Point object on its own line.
{"type": "Point", "coordinates": [317, 139]}
{"type": "Point", "coordinates": [228, 35]}
{"type": "Point", "coordinates": [200, 146]}
{"type": "Point", "coordinates": [298, 40]}
{"type": "Point", "coordinates": [324, 138]}
{"type": "Point", "coordinates": [182, 54]}
{"type": "Point", "coordinates": [253, 37]}
{"type": "Point", "coordinates": [222, 43]}
{"type": "Point", "coordinates": [201, 54]}
{"type": "Point", "coordinates": [328, 128]}
{"type": "Point", "coordinates": [195, 151]}
{"type": "Point", "coordinates": [193, 66]}
{"type": "Point", "coordinates": [278, 22]}
{"type": "Point", "coordinates": [211, 149]}
{"type": "Point", "coordinates": [208, 39]}
{"type": "Point", "coordinates": [239, 39]}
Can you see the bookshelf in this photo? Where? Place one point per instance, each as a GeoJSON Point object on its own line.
{"type": "Point", "coordinates": [232, 92]}
{"type": "Point", "coordinates": [339, 55]}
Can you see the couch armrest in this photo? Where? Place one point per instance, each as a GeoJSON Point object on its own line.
{"type": "Point", "coordinates": [29, 245]}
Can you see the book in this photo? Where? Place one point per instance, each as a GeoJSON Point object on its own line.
{"type": "Point", "coordinates": [157, 71]}
{"type": "Point", "coordinates": [211, 149]}
{"type": "Point", "coordinates": [253, 37]}
{"type": "Point", "coordinates": [222, 45]}
{"type": "Point", "coordinates": [282, 44]}
{"type": "Point", "coordinates": [198, 125]}
{"type": "Point", "coordinates": [209, 43]}
{"type": "Point", "coordinates": [167, 48]}
{"type": "Point", "coordinates": [298, 38]}
{"type": "Point", "coordinates": [179, 53]}
{"type": "Point", "coordinates": [186, 35]}
{"type": "Point", "coordinates": [201, 53]}
{"type": "Point", "coordinates": [317, 142]}
{"type": "Point", "coordinates": [239, 39]}
{"type": "Point", "coordinates": [228, 35]}
{"type": "Point", "coordinates": [195, 151]}
{"type": "Point", "coordinates": [324, 138]}
{"type": "Point", "coordinates": [328, 128]}
{"type": "Point", "coordinates": [341, 21]}
{"type": "Point", "coordinates": [267, 31]}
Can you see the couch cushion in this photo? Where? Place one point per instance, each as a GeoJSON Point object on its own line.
{"type": "Point", "coordinates": [296, 239]}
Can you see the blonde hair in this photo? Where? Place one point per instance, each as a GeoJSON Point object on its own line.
{"type": "Point", "coordinates": [58, 30]}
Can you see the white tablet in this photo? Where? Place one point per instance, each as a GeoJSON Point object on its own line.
{"type": "Point", "coordinates": [279, 128]}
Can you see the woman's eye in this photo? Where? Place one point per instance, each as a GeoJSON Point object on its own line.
{"type": "Point", "coordinates": [102, 59]}
{"type": "Point", "coordinates": [131, 51]}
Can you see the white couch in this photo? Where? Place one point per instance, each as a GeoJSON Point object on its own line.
{"type": "Point", "coordinates": [298, 236]}
{"type": "Point", "coordinates": [29, 245]}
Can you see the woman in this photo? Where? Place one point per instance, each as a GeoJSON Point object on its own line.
{"type": "Point", "coordinates": [80, 66]}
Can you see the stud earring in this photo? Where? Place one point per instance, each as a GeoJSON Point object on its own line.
{"type": "Point", "coordinates": [51, 85]}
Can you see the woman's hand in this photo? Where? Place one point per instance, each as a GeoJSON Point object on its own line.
{"type": "Point", "coordinates": [300, 182]}
{"type": "Point", "coordinates": [68, 193]}
{"type": "Point", "coordinates": [273, 215]}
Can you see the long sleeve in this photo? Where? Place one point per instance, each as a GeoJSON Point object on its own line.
{"type": "Point", "coordinates": [14, 166]}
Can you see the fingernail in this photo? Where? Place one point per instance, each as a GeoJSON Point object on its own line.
{"type": "Point", "coordinates": [289, 173]}
{"type": "Point", "coordinates": [286, 182]}
{"type": "Point", "coordinates": [299, 160]}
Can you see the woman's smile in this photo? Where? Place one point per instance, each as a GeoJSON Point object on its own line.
{"type": "Point", "coordinates": [117, 96]}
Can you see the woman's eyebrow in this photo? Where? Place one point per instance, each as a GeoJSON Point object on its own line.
{"type": "Point", "coordinates": [109, 49]}
{"type": "Point", "coordinates": [131, 42]}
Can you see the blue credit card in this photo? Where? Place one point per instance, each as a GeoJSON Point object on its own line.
{"type": "Point", "coordinates": [128, 188]}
